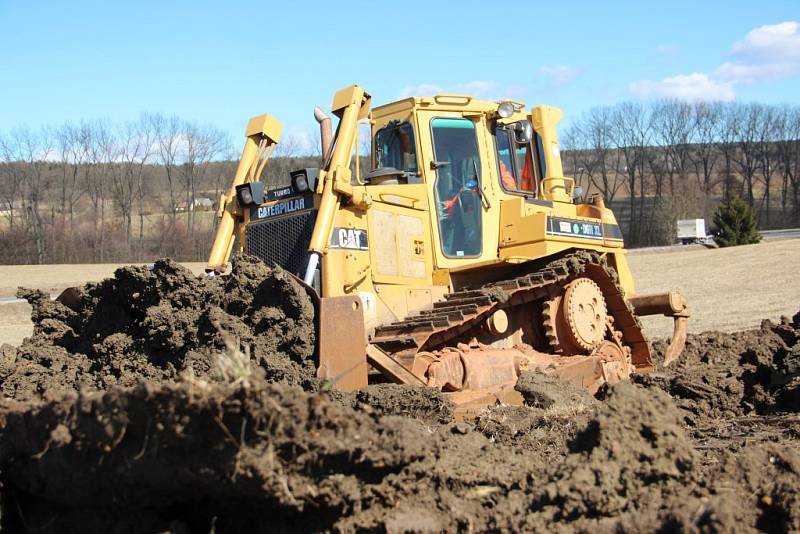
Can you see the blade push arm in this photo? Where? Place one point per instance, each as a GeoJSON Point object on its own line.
{"type": "Point", "coordinates": [263, 133]}
{"type": "Point", "coordinates": [349, 104]}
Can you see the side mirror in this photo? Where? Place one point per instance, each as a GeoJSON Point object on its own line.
{"type": "Point", "coordinates": [523, 132]}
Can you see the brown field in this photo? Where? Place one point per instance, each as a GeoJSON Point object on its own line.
{"type": "Point", "coordinates": [15, 323]}
{"type": "Point", "coordinates": [728, 289]}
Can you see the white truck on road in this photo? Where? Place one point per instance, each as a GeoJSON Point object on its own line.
{"type": "Point", "coordinates": [693, 231]}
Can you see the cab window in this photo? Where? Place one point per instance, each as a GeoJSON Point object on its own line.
{"type": "Point", "coordinates": [395, 147]}
{"type": "Point", "coordinates": [518, 173]}
{"type": "Point", "coordinates": [458, 203]}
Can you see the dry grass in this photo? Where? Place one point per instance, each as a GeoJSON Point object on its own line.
{"type": "Point", "coordinates": [15, 322]}
{"type": "Point", "coordinates": [55, 278]}
{"type": "Point", "coordinates": [728, 289]}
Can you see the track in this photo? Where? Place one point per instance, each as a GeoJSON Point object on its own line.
{"type": "Point", "coordinates": [463, 313]}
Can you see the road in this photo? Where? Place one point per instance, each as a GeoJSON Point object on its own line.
{"type": "Point", "coordinates": [785, 233]}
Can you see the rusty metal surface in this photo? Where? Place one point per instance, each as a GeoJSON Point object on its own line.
{"type": "Point", "coordinates": [390, 368]}
{"type": "Point", "coordinates": [672, 304]}
{"type": "Point", "coordinates": [342, 344]}
{"type": "Point", "coordinates": [678, 342]}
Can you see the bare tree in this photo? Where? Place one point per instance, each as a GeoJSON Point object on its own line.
{"type": "Point", "coordinates": [167, 132]}
{"type": "Point", "coordinates": [704, 151]}
{"type": "Point", "coordinates": [72, 157]}
{"type": "Point", "coordinates": [33, 149]}
{"type": "Point", "coordinates": [11, 179]}
{"type": "Point", "coordinates": [768, 135]}
{"type": "Point", "coordinates": [747, 155]}
{"type": "Point", "coordinates": [200, 146]}
{"type": "Point", "coordinates": [727, 134]}
{"type": "Point", "coordinates": [673, 126]}
{"type": "Point", "coordinates": [102, 154]}
{"type": "Point", "coordinates": [788, 154]}
{"type": "Point", "coordinates": [631, 135]}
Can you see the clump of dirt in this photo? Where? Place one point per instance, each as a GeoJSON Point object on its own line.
{"type": "Point", "coordinates": [634, 451]}
{"type": "Point", "coordinates": [157, 324]}
{"type": "Point", "coordinates": [425, 404]}
{"type": "Point", "coordinates": [724, 375]}
{"type": "Point", "coordinates": [545, 391]}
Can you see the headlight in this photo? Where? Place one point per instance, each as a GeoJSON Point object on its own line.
{"type": "Point", "coordinates": [250, 194]}
{"type": "Point", "coordinates": [304, 179]}
{"type": "Point", "coordinates": [300, 183]}
{"type": "Point", "coordinates": [505, 110]}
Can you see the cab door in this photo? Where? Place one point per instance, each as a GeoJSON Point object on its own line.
{"type": "Point", "coordinates": [460, 187]}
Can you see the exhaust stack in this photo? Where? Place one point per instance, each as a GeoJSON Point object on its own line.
{"type": "Point", "coordinates": [325, 131]}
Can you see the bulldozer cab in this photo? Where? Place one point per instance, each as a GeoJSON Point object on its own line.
{"type": "Point", "coordinates": [467, 159]}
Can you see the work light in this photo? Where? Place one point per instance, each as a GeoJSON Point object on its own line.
{"type": "Point", "coordinates": [250, 194]}
{"type": "Point", "coordinates": [505, 110]}
{"type": "Point", "coordinates": [304, 179]}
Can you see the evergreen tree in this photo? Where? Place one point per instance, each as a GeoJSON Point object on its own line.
{"type": "Point", "coordinates": [735, 223]}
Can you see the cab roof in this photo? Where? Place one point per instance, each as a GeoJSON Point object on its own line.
{"type": "Point", "coordinates": [440, 102]}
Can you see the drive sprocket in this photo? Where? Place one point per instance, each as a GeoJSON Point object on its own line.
{"type": "Point", "coordinates": [575, 321]}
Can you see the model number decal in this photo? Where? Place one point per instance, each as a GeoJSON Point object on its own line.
{"type": "Point", "coordinates": [583, 229]}
{"type": "Point", "coordinates": [282, 208]}
{"type": "Point", "coordinates": [349, 238]}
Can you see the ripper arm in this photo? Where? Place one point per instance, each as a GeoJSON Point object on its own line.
{"type": "Point", "coordinates": [349, 104]}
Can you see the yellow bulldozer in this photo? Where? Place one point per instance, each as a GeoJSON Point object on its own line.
{"type": "Point", "coordinates": [462, 259]}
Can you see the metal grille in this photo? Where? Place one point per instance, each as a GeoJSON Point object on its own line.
{"type": "Point", "coordinates": [282, 241]}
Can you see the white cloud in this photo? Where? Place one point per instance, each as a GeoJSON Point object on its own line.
{"type": "Point", "coordinates": [770, 52]}
{"type": "Point", "coordinates": [755, 72]}
{"type": "Point", "coordinates": [423, 89]}
{"type": "Point", "coordinates": [560, 75]}
{"type": "Point", "coordinates": [486, 89]}
{"type": "Point", "coordinates": [667, 49]}
{"type": "Point", "coordinates": [689, 87]}
{"type": "Point", "coordinates": [775, 43]}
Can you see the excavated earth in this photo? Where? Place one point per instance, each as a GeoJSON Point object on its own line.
{"type": "Point", "coordinates": [161, 402]}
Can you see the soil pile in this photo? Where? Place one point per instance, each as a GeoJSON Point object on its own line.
{"type": "Point", "coordinates": [728, 375]}
{"type": "Point", "coordinates": [161, 402]}
{"type": "Point", "coordinates": [157, 324]}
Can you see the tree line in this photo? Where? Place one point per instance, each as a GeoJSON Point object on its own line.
{"type": "Point", "coordinates": [659, 161]}
{"type": "Point", "coordinates": [100, 191]}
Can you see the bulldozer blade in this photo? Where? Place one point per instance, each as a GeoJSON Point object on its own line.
{"type": "Point", "coordinates": [342, 343]}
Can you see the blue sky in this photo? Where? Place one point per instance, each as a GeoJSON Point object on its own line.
{"type": "Point", "coordinates": [222, 62]}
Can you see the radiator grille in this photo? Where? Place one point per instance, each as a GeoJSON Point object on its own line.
{"type": "Point", "coordinates": [282, 241]}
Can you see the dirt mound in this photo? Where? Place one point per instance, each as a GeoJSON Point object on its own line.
{"type": "Point", "coordinates": [634, 451]}
{"type": "Point", "coordinates": [156, 324]}
{"type": "Point", "coordinates": [154, 447]}
{"type": "Point", "coordinates": [723, 375]}
{"type": "Point", "coordinates": [161, 402]}
{"type": "Point", "coordinates": [545, 391]}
